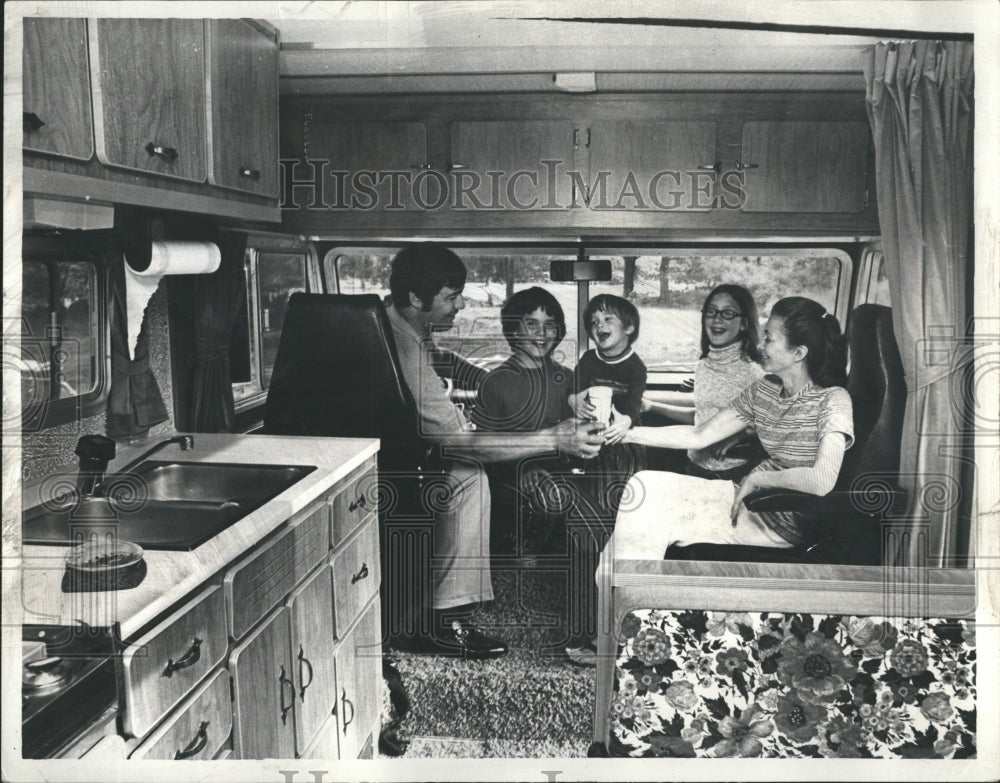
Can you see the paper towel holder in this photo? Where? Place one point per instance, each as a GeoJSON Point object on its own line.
{"type": "Point", "coordinates": [136, 233]}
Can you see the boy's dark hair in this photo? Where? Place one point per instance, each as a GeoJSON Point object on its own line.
{"type": "Point", "coordinates": [623, 308]}
{"type": "Point", "coordinates": [525, 303]}
{"type": "Point", "coordinates": [424, 270]}
{"type": "Point", "coordinates": [806, 322]}
{"type": "Point", "coordinates": [750, 336]}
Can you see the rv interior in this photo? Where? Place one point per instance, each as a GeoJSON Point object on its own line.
{"type": "Point", "coordinates": [217, 513]}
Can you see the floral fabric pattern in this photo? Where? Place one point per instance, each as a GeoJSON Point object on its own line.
{"type": "Point", "coordinates": [715, 684]}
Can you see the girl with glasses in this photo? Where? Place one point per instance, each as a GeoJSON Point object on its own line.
{"type": "Point", "coordinates": [729, 363]}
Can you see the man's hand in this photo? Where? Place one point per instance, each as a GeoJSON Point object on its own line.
{"type": "Point", "coordinates": [748, 485]}
{"type": "Point", "coordinates": [581, 439]}
{"type": "Point", "coordinates": [620, 424]}
{"type": "Point", "coordinates": [581, 405]}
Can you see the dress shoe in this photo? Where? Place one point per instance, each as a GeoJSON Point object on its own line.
{"type": "Point", "coordinates": [460, 640]}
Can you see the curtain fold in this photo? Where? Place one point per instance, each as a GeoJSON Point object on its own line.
{"type": "Point", "coordinates": [919, 100]}
{"type": "Point", "coordinates": [134, 400]}
{"type": "Point", "coordinates": [217, 298]}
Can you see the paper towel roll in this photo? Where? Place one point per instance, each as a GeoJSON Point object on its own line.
{"type": "Point", "coordinates": [166, 258]}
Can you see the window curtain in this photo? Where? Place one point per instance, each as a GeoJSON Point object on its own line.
{"type": "Point", "coordinates": [919, 99]}
{"type": "Point", "coordinates": [134, 400]}
{"type": "Point", "coordinates": [217, 298]}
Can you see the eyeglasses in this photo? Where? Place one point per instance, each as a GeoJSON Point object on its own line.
{"type": "Point", "coordinates": [727, 315]}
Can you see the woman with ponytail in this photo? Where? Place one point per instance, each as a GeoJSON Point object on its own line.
{"type": "Point", "coordinates": [803, 417]}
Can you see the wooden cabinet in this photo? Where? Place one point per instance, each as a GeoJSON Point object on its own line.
{"type": "Point", "coordinates": [793, 166]}
{"type": "Point", "coordinates": [310, 614]}
{"type": "Point", "coordinates": [262, 672]}
{"type": "Point", "coordinates": [367, 166]}
{"type": "Point", "coordinates": [198, 730]}
{"type": "Point", "coordinates": [242, 107]}
{"type": "Point", "coordinates": [513, 165]}
{"type": "Point", "coordinates": [359, 664]}
{"type": "Point", "coordinates": [163, 665]}
{"type": "Point", "coordinates": [666, 165]}
{"type": "Point", "coordinates": [354, 504]}
{"type": "Point", "coordinates": [148, 79]}
{"type": "Point", "coordinates": [57, 111]}
{"type": "Point", "coordinates": [356, 576]}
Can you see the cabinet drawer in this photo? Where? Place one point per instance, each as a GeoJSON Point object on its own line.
{"type": "Point", "coordinates": [162, 666]}
{"type": "Point", "coordinates": [355, 576]}
{"type": "Point", "coordinates": [354, 502]}
{"type": "Point", "coordinates": [198, 730]}
{"type": "Point", "coordinates": [262, 579]}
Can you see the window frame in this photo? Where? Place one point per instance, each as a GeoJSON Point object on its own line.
{"type": "Point", "coordinates": [253, 393]}
{"type": "Point", "coordinates": [66, 410]}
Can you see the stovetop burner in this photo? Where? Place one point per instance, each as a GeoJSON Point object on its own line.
{"type": "Point", "coordinates": [67, 682]}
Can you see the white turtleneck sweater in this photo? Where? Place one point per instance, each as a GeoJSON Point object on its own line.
{"type": "Point", "coordinates": [718, 379]}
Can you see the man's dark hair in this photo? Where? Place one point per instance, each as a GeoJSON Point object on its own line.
{"type": "Point", "coordinates": [424, 269]}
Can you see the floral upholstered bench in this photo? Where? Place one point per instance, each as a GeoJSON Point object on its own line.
{"type": "Point", "coordinates": [785, 661]}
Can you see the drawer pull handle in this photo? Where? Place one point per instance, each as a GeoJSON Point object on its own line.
{"type": "Point", "coordinates": [253, 174]}
{"type": "Point", "coordinates": [32, 121]}
{"type": "Point", "coordinates": [359, 503]}
{"type": "Point", "coordinates": [197, 745]}
{"type": "Point", "coordinates": [346, 702]}
{"type": "Point", "coordinates": [741, 166]}
{"type": "Point", "coordinates": [362, 574]}
{"type": "Point", "coordinates": [168, 154]}
{"type": "Point", "coordinates": [716, 167]}
{"type": "Point", "coordinates": [283, 681]}
{"type": "Point", "coordinates": [190, 658]}
{"type": "Point", "coordinates": [304, 660]}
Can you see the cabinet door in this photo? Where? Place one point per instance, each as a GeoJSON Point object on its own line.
{"type": "Point", "coordinates": [356, 573]}
{"type": "Point", "coordinates": [264, 692]}
{"type": "Point", "coordinates": [805, 166]}
{"type": "Point", "coordinates": [372, 166]}
{"type": "Point", "coordinates": [359, 672]}
{"type": "Point", "coordinates": [57, 113]}
{"type": "Point", "coordinates": [659, 166]}
{"type": "Point", "coordinates": [243, 107]}
{"type": "Point", "coordinates": [514, 152]}
{"type": "Point", "coordinates": [149, 95]}
{"type": "Point", "coordinates": [310, 611]}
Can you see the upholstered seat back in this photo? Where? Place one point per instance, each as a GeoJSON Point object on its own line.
{"type": "Point", "coordinates": [878, 392]}
{"type": "Point", "coordinates": [337, 374]}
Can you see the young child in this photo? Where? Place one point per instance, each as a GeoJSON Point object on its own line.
{"type": "Point", "coordinates": [526, 393]}
{"type": "Point", "coordinates": [613, 325]}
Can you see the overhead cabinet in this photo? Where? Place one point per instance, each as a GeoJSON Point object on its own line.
{"type": "Point", "coordinates": [57, 113]}
{"type": "Point", "coordinates": [182, 113]}
{"type": "Point", "coordinates": [651, 165]}
{"type": "Point", "coordinates": [513, 165]}
{"type": "Point", "coordinates": [243, 121]}
{"type": "Point", "coordinates": [805, 166]}
{"type": "Point", "coordinates": [149, 95]}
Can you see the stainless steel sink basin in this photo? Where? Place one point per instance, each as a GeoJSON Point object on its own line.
{"type": "Point", "coordinates": [165, 505]}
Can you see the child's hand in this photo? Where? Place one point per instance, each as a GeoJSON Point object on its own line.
{"type": "Point", "coordinates": [581, 405]}
{"type": "Point", "coordinates": [620, 424]}
{"type": "Point", "coordinates": [748, 485]}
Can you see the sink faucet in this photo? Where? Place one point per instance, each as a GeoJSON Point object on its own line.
{"type": "Point", "coordinates": [96, 451]}
{"type": "Point", "coordinates": [186, 442]}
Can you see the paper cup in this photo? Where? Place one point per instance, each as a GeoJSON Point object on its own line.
{"type": "Point", "coordinates": [600, 398]}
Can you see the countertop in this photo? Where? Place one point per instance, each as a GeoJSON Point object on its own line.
{"type": "Point", "coordinates": [36, 577]}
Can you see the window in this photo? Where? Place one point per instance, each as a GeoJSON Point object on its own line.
{"type": "Point", "coordinates": [270, 278]}
{"type": "Point", "coordinates": [667, 286]}
{"type": "Point", "coordinates": [492, 277]}
{"type": "Point", "coordinates": [873, 286]}
{"type": "Point", "coordinates": [61, 359]}
{"type": "Point", "coordinates": [670, 287]}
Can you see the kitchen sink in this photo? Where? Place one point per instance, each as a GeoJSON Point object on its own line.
{"type": "Point", "coordinates": [163, 504]}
